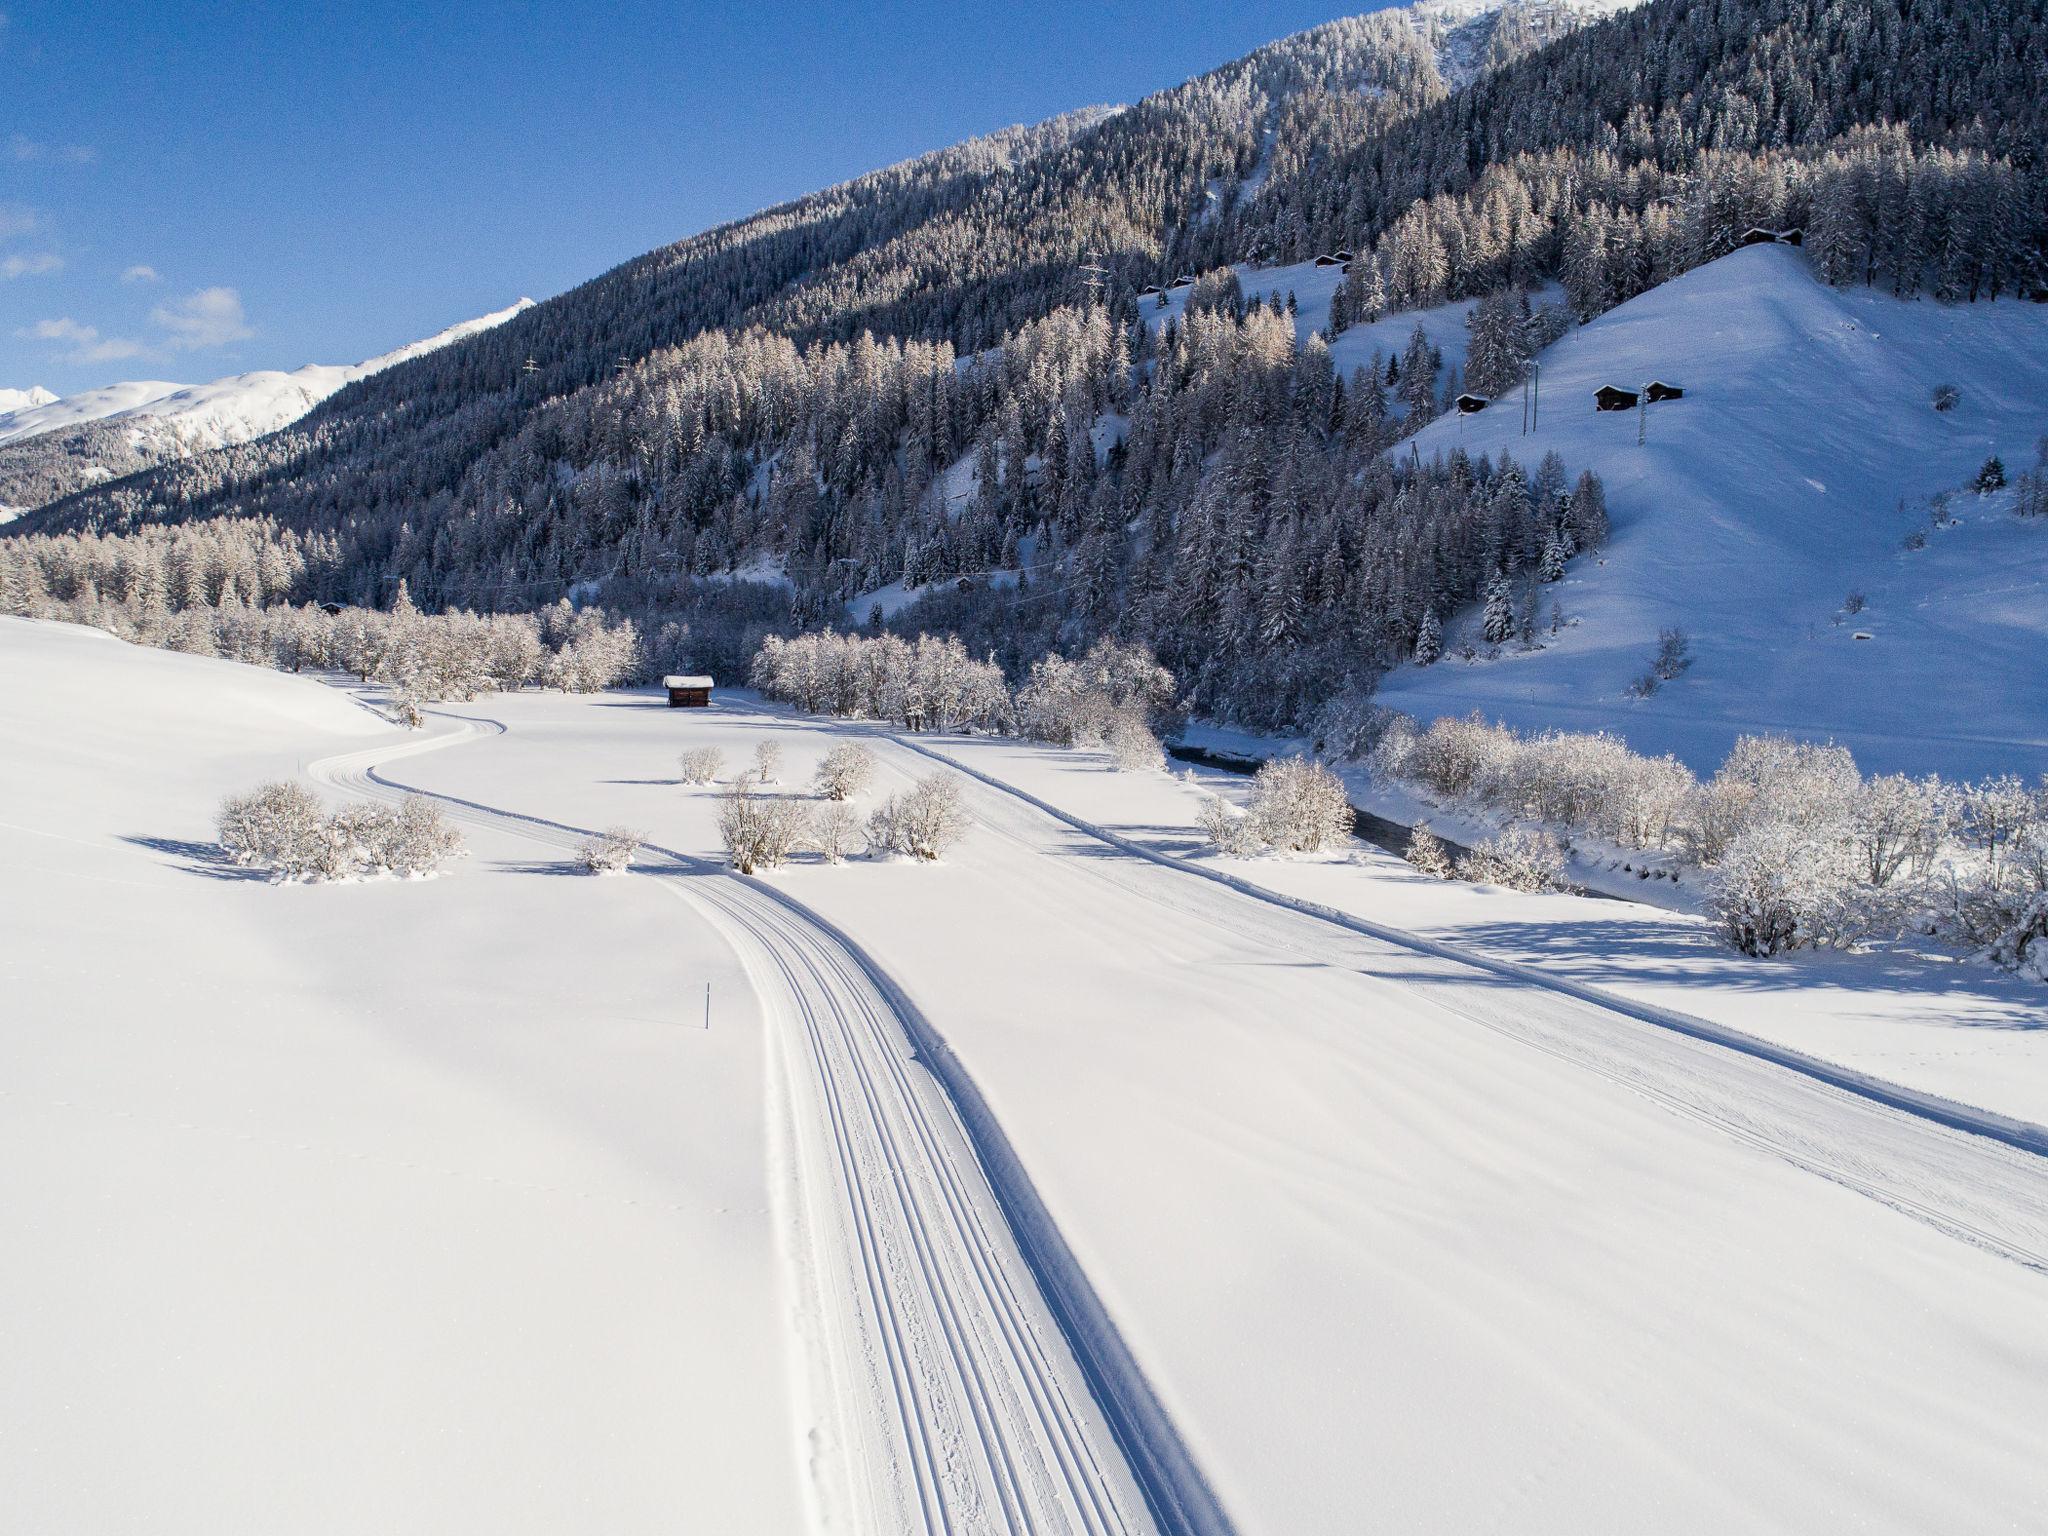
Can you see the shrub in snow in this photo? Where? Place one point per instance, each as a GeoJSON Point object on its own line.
{"type": "Point", "coordinates": [1781, 887]}
{"type": "Point", "coordinates": [280, 826]}
{"type": "Point", "coordinates": [1299, 806]}
{"type": "Point", "coordinates": [836, 832]}
{"type": "Point", "coordinates": [844, 771]}
{"type": "Point", "coordinates": [1132, 746]}
{"type": "Point", "coordinates": [1946, 396]}
{"type": "Point", "coordinates": [702, 765]}
{"type": "Point", "coordinates": [1228, 829]}
{"type": "Point", "coordinates": [1674, 654]}
{"type": "Point", "coordinates": [609, 852]}
{"type": "Point", "coordinates": [1428, 854]}
{"type": "Point", "coordinates": [760, 831]}
{"type": "Point", "coordinates": [1520, 858]}
{"type": "Point", "coordinates": [768, 762]}
{"type": "Point", "coordinates": [1991, 477]}
{"type": "Point", "coordinates": [922, 823]}
{"type": "Point", "coordinates": [1078, 703]}
{"type": "Point", "coordinates": [285, 828]}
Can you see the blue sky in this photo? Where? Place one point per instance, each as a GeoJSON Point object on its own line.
{"type": "Point", "coordinates": [190, 190]}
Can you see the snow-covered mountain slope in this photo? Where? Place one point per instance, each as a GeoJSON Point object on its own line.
{"type": "Point", "coordinates": [1790, 476]}
{"type": "Point", "coordinates": [168, 420]}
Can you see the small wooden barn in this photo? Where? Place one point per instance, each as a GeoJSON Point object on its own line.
{"type": "Point", "coordinates": [1329, 261]}
{"type": "Point", "coordinates": [1758, 235]}
{"type": "Point", "coordinates": [1148, 290]}
{"type": "Point", "coordinates": [1469, 404]}
{"type": "Point", "coordinates": [1344, 257]}
{"type": "Point", "coordinates": [1611, 397]}
{"type": "Point", "coordinates": [687, 692]}
{"type": "Point", "coordinates": [1657, 390]}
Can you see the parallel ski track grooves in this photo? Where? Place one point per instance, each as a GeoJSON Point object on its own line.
{"type": "Point", "coordinates": [852, 1017]}
{"type": "Point", "coordinates": [1942, 1138]}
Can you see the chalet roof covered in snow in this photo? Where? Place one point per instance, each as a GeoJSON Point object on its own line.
{"type": "Point", "coordinates": [686, 680]}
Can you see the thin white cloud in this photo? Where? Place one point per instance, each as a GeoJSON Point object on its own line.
{"type": "Point", "coordinates": [34, 265]}
{"type": "Point", "coordinates": [212, 317]}
{"type": "Point", "coordinates": [141, 272]}
{"type": "Point", "coordinates": [86, 345]}
{"type": "Point", "coordinates": [18, 219]}
{"type": "Point", "coordinates": [25, 149]}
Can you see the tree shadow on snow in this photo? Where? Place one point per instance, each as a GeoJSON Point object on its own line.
{"type": "Point", "coordinates": [210, 861]}
{"type": "Point", "coordinates": [1613, 953]}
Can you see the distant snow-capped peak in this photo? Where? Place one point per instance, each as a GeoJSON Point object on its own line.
{"type": "Point", "coordinates": [236, 409]}
{"type": "Point", "coordinates": [12, 400]}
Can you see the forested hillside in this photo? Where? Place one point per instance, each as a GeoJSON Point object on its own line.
{"type": "Point", "coordinates": [793, 397]}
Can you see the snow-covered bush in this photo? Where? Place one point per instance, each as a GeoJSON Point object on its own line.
{"type": "Point", "coordinates": [280, 826]}
{"type": "Point", "coordinates": [1946, 397]}
{"type": "Point", "coordinates": [760, 831]}
{"type": "Point", "coordinates": [609, 852]}
{"type": "Point", "coordinates": [1520, 858]}
{"type": "Point", "coordinates": [768, 762]}
{"type": "Point", "coordinates": [702, 765]}
{"type": "Point", "coordinates": [1427, 853]}
{"type": "Point", "coordinates": [836, 832]}
{"type": "Point", "coordinates": [844, 771]}
{"type": "Point", "coordinates": [1299, 806]}
{"type": "Point", "coordinates": [1781, 887]}
{"type": "Point", "coordinates": [1132, 746]}
{"type": "Point", "coordinates": [1228, 829]}
{"type": "Point", "coordinates": [922, 823]}
{"type": "Point", "coordinates": [1773, 779]}
{"type": "Point", "coordinates": [284, 827]}
{"type": "Point", "coordinates": [1078, 703]}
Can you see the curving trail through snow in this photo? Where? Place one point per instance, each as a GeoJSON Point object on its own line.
{"type": "Point", "coordinates": [1979, 1178]}
{"type": "Point", "coordinates": [961, 1383]}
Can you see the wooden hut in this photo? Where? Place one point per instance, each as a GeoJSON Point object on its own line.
{"type": "Point", "coordinates": [1758, 235]}
{"type": "Point", "coordinates": [1657, 390]}
{"type": "Point", "coordinates": [1148, 290]}
{"type": "Point", "coordinates": [1471, 404]}
{"type": "Point", "coordinates": [1328, 261]}
{"type": "Point", "coordinates": [1611, 397]}
{"type": "Point", "coordinates": [687, 692]}
{"type": "Point", "coordinates": [1344, 257]}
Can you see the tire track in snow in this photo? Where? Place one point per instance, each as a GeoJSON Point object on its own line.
{"type": "Point", "coordinates": [972, 1380]}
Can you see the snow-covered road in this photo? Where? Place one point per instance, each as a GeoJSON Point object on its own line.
{"type": "Point", "coordinates": [946, 1396]}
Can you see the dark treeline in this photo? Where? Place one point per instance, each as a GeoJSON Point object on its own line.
{"type": "Point", "coordinates": [902, 379]}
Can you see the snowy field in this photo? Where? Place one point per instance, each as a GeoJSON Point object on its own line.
{"type": "Point", "coordinates": [1761, 501]}
{"type": "Point", "coordinates": [406, 1206]}
{"type": "Point", "coordinates": [315, 1177]}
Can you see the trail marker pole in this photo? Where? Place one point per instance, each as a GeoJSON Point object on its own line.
{"type": "Point", "coordinates": [707, 1005]}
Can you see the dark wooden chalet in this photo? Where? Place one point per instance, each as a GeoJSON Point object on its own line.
{"type": "Point", "coordinates": [1657, 390]}
{"type": "Point", "coordinates": [1329, 261]}
{"type": "Point", "coordinates": [1758, 235]}
{"type": "Point", "coordinates": [1611, 397]}
{"type": "Point", "coordinates": [1470, 404]}
{"type": "Point", "coordinates": [687, 692]}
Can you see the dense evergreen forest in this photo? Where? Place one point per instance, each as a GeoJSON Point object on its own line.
{"type": "Point", "coordinates": [948, 369]}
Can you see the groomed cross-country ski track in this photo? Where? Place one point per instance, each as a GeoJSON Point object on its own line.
{"type": "Point", "coordinates": [961, 1376]}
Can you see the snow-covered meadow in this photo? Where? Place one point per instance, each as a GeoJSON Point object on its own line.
{"type": "Point", "coordinates": [433, 1202]}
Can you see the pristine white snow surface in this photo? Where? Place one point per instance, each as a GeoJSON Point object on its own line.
{"type": "Point", "coordinates": [423, 1205]}
{"type": "Point", "coordinates": [191, 418]}
{"type": "Point", "coordinates": [1765, 497]}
